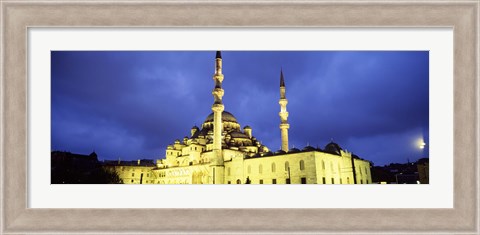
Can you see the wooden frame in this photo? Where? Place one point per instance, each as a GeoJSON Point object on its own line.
{"type": "Point", "coordinates": [18, 16]}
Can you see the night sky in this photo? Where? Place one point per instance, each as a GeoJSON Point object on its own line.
{"type": "Point", "coordinates": [131, 105]}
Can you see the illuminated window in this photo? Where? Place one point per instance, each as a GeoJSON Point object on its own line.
{"type": "Point", "coordinates": [260, 169]}
{"type": "Point", "coordinates": [273, 167]}
{"type": "Point", "coordinates": [274, 181]}
{"type": "Point", "coordinates": [287, 166]}
{"type": "Point", "coordinates": [260, 181]}
{"type": "Point", "coordinates": [302, 165]}
{"type": "Point", "coordinates": [304, 180]}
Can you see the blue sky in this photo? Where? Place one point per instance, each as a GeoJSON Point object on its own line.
{"type": "Point", "coordinates": [132, 104]}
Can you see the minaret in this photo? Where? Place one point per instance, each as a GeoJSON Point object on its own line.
{"type": "Point", "coordinates": [216, 165]}
{"type": "Point", "coordinates": [283, 114]}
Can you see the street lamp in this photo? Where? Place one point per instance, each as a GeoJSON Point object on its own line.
{"type": "Point", "coordinates": [422, 145]}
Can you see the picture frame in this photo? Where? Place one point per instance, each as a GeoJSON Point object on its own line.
{"type": "Point", "coordinates": [18, 16]}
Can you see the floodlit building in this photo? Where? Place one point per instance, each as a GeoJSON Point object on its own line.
{"type": "Point", "coordinates": [132, 172]}
{"type": "Point", "coordinates": [220, 151]}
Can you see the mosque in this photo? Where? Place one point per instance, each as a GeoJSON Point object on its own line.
{"type": "Point", "coordinates": [221, 152]}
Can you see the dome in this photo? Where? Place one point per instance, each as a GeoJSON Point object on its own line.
{"type": "Point", "coordinates": [229, 122]}
{"type": "Point", "coordinates": [226, 117]}
{"type": "Point", "coordinates": [333, 148]}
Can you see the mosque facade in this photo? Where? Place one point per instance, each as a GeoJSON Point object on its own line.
{"type": "Point", "coordinates": [220, 151]}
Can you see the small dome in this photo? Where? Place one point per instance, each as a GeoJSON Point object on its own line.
{"type": "Point", "coordinates": [333, 148]}
{"type": "Point", "coordinates": [309, 148]}
{"type": "Point", "coordinates": [294, 150]}
{"type": "Point", "coordinates": [268, 153]}
{"type": "Point", "coordinates": [247, 127]}
{"type": "Point", "coordinates": [237, 134]}
{"type": "Point", "coordinates": [195, 128]}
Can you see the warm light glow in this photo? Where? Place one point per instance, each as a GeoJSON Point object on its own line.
{"type": "Point", "coordinates": [420, 143]}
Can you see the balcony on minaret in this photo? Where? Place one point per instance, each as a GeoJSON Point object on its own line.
{"type": "Point", "coordinates": [217, 95]}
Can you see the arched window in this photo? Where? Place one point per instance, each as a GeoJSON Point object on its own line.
{"type": "Point", "coordinates": [238, 181]}
{"type": "Point", "coordinates": [260, 169]}
{"type": "Point", "coordinates": [302, 165]}
{"type": "Point", "coordinates": [287, 166]}
{"type": "Point", "coordinates": [273, 167]}
{"type": "Point", "coordinates": [249, 169]}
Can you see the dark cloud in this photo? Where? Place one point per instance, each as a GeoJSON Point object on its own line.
{"type": "Point", "coordinates": [132, 104]}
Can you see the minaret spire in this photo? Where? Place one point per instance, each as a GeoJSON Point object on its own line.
{"type": "Point", "coordinates": [283, 113]}
{"type": "Point", "coordinates": [217, 165]}
{"type": "Point", "coordinates": [282, 80]}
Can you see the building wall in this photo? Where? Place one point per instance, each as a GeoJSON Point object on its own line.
{"type": "Point", "coordinates": [364, 175]}
{"type": "Point", "coordinates": [314, 167]}
{"type": "Point", "coordinates": [264, 170]}
{"type": "Point", "coordinates": [196, 174]}
{"type": "Point", "coordinates": [134, 174]}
